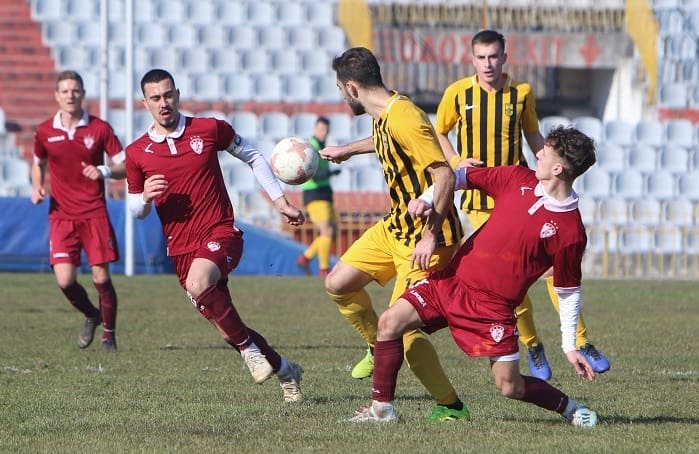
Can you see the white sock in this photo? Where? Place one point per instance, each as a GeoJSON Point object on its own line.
{"type": "Point", "coordinates": [252, 348]}
{"type": "Point", "coordinates": [570, 408]}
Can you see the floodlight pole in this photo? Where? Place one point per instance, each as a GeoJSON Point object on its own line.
{"type": "Point", "coordinates": [103, 72]}
{"type": "Point", "coordinates": [128, 104]}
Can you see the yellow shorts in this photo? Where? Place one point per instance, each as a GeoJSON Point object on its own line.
{"type": "Point", "coordinates": [380, 255]}
{"type": "Point", "coordinates": [321, 211]}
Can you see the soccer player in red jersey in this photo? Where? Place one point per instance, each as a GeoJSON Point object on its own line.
{"type": "Point", "coordinates": [175, 166]}
{"type": "Point", "coordinates": [535, 225]}
{"type": "Point", "coordinates": [72, 144]}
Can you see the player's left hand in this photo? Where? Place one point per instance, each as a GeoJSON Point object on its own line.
{"type": "Point", "coordinates": [580, 364]}
{"type": "Point", "coordinates": [91, 171]}
{"type": "Point", "coordinates": [423, 252]}
{"type": "Point", "coordinates": [418, 208]}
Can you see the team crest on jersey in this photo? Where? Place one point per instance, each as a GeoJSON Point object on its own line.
{"type": "Point", "coordinates": [509, 110]}
{"type": "Point", "coordinates": [197, 144]}
{"type": "Point", "coordinates": [213, 246]}
{"type": "Point", "coordinates": [89, 141]}
{"type": "Point", "coordinates": [497, 332]}
{"type": "Point", "coordinates": [548, 230]}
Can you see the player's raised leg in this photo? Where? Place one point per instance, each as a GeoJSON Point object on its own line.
{"type": "Point", "coordinates": [513, 385]}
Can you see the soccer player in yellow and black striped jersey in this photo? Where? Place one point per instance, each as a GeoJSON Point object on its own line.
{"type": "Point", "coordinates": [396, 246]}
{"type": "Point", "coordinates": [491, 112]}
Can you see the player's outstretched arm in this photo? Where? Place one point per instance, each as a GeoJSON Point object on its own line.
{"type": "Point", "coordinates": [340, 153]}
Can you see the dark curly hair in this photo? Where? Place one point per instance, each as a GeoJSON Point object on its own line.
{"type": "Point", "coordinates": [576, 149]}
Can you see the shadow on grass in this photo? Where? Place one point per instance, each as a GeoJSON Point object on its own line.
{"type": "Point", "coordinates": [660, 419]}
{"type": "Point", "coordinates": [286, 347]}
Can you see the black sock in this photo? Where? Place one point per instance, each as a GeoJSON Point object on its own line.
{"type": "Point", "coordinates": [458, 405]}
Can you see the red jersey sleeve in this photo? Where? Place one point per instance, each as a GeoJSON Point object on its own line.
{"type": "Point", "coordinates": [224, 134]}
{"type": "Point", "coordinates": [112, 145]}
{"type": "Point", "coordinates": [567, 262]}
{"type": "Point", "coordinates": [134, 176]}
{"type": "Point", "coordinates": [493, 180]}
{"type": "Point", "coordinates": [39, 149]}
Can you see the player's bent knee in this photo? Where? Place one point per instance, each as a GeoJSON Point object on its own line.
{"type": "Point", "coordinates": [390, 326]}
{"type": "Point", "coordinates": [510, 389]}
{"type": "Point", "coordinates": [196, 286]}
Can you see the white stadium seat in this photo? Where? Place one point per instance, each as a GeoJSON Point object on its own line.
{"type": "Point", "coordinates": [650, 132]}
{"type": "Point", "coordinates": [546, 124]}
{"type": "Point", "coordinates": [629, 185]}
{"type": "Point", "coordinates": [275, 125]}
{"type": "Point", "coordinates": [661, 185]}
{"type": "Point", "coordinates": [611, 157]}
{"type": "Point", "coordinates": [643, 158]}
{"type": "Point", "coordinates": [298, 88]}
{"type": "Point", "coordinates": [619, 132]}
{"type": "Point", "coordinates": [302, 123]}
{"type": "Point", "coordinates": [238, 87]}
{"type": "Point", "coordinates": [268, 88]}
{"type": "Point", "coordinates": [245, 124]}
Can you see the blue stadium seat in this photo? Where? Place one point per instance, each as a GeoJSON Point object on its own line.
{"type": "Point", "coordinates": [646, 211]}
{"type": "Point", "coordinates": [590, 126]}
{"type": "Point", "coordinates": [320, 13]}
{"type": "Point", "coordinates": [588, 211]}
{"type": "Point", "coordinates": [230, 13]}
{"type": "Point", "coordinates": [331, 38]}
{"type": "Point", "coordinates": [238, 87]}
{"type": "Point", "coordinates": [613, 211]}
{"type": "Point", "coordinates": [689, 186]}
{"type": "Point", "coordinates": [259, 13]}
{"type": "Point", "coordinates": [650, 132]}
{"type": "Point", "coordinates": [268, 88]}
{"type": "Point", "coordinates": [363, 126]}
{"type": "Point", "coordinates": [629, 185]}
{"type": "Point", "coordinates": [56, 33]}
{"type": "Point", "coordinates": [596, 183]}
{"type": "Point", "coordinates": [619, 132]}
{"type": "Point", "coordinates": [89, 33]}
{"type": "Point", "coordinates": [679, 212]}
{"type": "Point", "coordinates": [245, 124]}
{"type": "Point", "coordinates": [611, 157]}
{"type": "Point", "coordinates": [183, 35]}
{"type": "Point", "coordinates": [298, 88]}
{"type": "Point", "coordinates": [326, 89]}
{"type": "Point", "coordinates": [225, 59]}
{"type": "Point", "coordinates": [643, 158]}
{"type": "Point", "coordinates": [195, 59]}
{"type": "Point", "coordinates": [546, 124]}
{"type": "Point", "coordinates": [116, 31]}
{"type": "Point", "coordinates": [340, 127]}
{"type": "Point", "coordinates": [243, 36]}
{"type": "Point", "coordinates": [316, 63]}
{"type": "Point", "coordinates": [275, 125]}
{"type": "Point", "coordinates": [256, 61]}
{"type": "Point", "coordinates": [170, 12]}
{"type": "Point", "coordinates": [272, 37]}
{"type": "Point", "coordinates": [674, 159]}
{"type": "Point", "coordinates": [301, 124]}
{"type": "Point", "coordinates": [202, 12]}
{"type": "Point", "coordinates": [151, 35]}
{"type": "Point", "coordinates": [291, 14]}
{"type": "Point", "coordinates": [286, 62]}
{"type": "Point", "coordinates": [76, 57]}
{"type": "Point", "coordinates": [680, 132]}
{"type": "Point", "coordinates": [370, 179]}
{"type": "Point", "coordinates": [302, 38]}
{"type": "Point", "coordinates": [214, 36]}
{"type": "Point", "coordinates": [673, 95]}
{"type": "Point", "coordinates": [44, 10]}
{"type": "Point", "coordinates": [661, 185]}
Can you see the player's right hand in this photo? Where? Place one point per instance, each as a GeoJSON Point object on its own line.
{"type": "Point", "coordinates": [154, 186]}
{"type": "Point", "coordinates": [335, 154]}
{"type": "Point", "coordinates": [38, 195]}
{"type": "Point", "coordinates": [418, 208]}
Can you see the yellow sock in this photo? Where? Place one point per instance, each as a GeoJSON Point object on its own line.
{"type": "Point", "coordinates": [324, 245]}
{"type": "Point", "coordinates": [423, 361]}
{"type": "Point", "coordinates": [525, 323]}
{"type": "Point", "coordinates": [356, 308]}
{"type": "Point", "coordinates": [581, 333]}
{"type": "Point", "coordinates": [312, 249]}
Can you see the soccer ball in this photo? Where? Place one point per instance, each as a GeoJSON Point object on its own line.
{"type": "Point", "coordinates": [294, 161]}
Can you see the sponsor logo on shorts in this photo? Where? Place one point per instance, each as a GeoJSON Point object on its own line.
{"type": "Point", "coordinates": [419, 298]}
{"type": "Point", "coordinates": [497, 331]}
{"type": "Point", "coordinates": [197, 144]}
{"type": "Point", "coordinates": [548, 230]}
{"type": "Point", "coordinates": [213, 246]}
{"type": "Point", "coordinates": [61, 255]}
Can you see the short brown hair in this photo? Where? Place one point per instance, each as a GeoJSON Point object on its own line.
{"type": "Point", "coordinates": [69, 75]}
{"type": "Point", "coordinates": [155, 76]}
{"type": "Point", "coordinates": [359, 65]}
{"type": "Point", "coordinates": [576, 149]}
{"type": "Point", "coordinates": [488, 37]}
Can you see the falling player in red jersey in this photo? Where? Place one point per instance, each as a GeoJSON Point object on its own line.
{"type": "Point", "coordinates": [535, 225]}
{"type": "Point", "coordinates": [175, 166]}
{"type": "Point", "coordinates": [72, 145]}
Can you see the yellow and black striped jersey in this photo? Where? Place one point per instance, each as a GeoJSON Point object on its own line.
{"type": "Point", "coordinates": [489, 125]}
{"type": "Point", "coordinates": [407, 145]}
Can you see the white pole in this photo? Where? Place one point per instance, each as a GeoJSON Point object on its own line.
{"type": "Point", "coordinates": [128, 101]}
{"type": "Point", "coordinates": [104, 73]}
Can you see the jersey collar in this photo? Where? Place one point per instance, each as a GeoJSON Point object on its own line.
{"type": "Point", "coordinates": [176, 134]}
{"type": "Point", "coordinates": [551, 204]}
{"type": "Point", "coordinates": [57, 124]}
{"type": "Point", "coordinates": [504, 88]}
{"type": "Point", "coordinates": [395, 97]}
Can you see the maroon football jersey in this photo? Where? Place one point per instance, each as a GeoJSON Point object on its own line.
{"type": "Point", "coordinates": [196, 202]}
{"type": "Point", "coordinates": [526, 234]}
{"type": "Point", "coordinates": [74, 196]}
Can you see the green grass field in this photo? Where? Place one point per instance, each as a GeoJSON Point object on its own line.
{"type": "Point", "coordinates": [174, 386]}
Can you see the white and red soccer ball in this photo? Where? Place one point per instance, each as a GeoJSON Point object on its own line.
{"type": "Point", "coordinates": [294, 161]}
